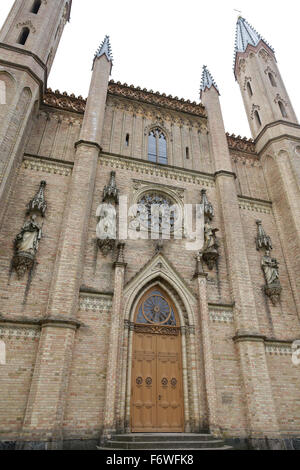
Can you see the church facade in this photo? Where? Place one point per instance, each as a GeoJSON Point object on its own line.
{"type": "Point", "coordinates": [107, 325]}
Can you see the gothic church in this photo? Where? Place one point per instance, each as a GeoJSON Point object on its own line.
{"type": "Point", "coordinates": [110, 338]}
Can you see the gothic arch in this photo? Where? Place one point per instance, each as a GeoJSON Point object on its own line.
{"type": "Point", "coordinates": [158, 272]}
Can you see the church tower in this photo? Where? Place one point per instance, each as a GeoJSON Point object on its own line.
{"type": "Point", "coordinates": [276, 134]}
{"type": "Point", "coordinates": [265, 97]}
{"type": "Point", "coordinates": [28, 41]}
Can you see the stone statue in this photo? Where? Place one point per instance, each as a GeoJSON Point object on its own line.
{"type": "Point", "coordinates": [26, 244]}
{"type": "Point", "coordinates": [27, 240]}
{"type": "Point", "coordinates": [270, 268]}
{"type": "Point", "coordinates": [106, 227]}
{"type": "Point", "coordinates": [211, 246]}
{"type": "Point", "coordinates": [106, 230]}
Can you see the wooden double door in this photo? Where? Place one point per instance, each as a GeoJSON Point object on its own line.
{"type": "Point", "coordinates": [156, 396]}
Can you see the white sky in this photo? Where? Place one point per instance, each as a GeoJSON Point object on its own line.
{"type": "Point", "coordinates": [162, 45]}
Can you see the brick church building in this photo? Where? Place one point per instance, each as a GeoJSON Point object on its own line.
{"type": "Point", "coordinates": [107, 337]}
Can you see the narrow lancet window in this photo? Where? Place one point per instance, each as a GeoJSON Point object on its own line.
{"type": "Point", "coordinates": [127, 140]}
{"type": "Point", "coordinates": [36, 6]}
{"type": "Point", "coordinates": [157, 147]}
{"type": "Point", "coordinates": [272, 80]}
{"type": "Point", "coordinates": [23, 36]}
{"type": "Point", "coordinates": [187, 153]}
{"type": "Point", "coordinates": [257, 118]}
{"type": "Point", "coordinates": [249, 88]}
{"type": "Point", "coordinates": [282, 109]}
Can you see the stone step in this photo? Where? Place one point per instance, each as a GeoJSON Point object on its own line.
{"type": "Point", "coordinates": [163, 444]}
{"type": "Point", "coordinates": [159, 437]}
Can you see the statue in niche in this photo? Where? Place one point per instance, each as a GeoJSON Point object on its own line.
{"type": "Point", "coordinates": [270, 268]}
{"type": "Point", "coordinates": [210, 250]}
{"type": "Point", "coordinates": [211, 245]}
{"type": "Point", "coordinates": [106, 230]}
{"type": "Point", "coordinates": [27, 241]}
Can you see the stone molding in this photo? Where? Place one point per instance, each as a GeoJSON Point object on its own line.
{"type": "Point", "coordinates": [19, 332]}
{"type": "Point", "coordinates": [255, 205]}
{"type": "Point", "coordinates": [279, 349]}
{"type": "Point", "coordinates": [95, 302]}
{"type": "Point", "coordinates": [165, 171]}
{"type": "Point", "coordinates": [47, 165]}
{"type": "Point", "coordinates": [221, 316]}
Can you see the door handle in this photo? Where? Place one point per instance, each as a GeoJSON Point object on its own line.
{"type": "Point", "coordinates": [159, 397]}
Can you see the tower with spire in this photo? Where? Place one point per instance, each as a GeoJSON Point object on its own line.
{"type": "Point", "coordinates": [255, 68]}
{"type": "Point", "coordinates": [276, 131]}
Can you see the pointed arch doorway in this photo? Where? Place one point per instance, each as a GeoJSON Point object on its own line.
{"type": "Point", "coordinates": [156, 377]}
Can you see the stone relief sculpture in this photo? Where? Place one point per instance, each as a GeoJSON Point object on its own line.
{"type": "Point", "coordinates": [106, 230]}
{"type": "Point", "coordinates": [210, 250]}
{"type": "Point", "coordinates": [27, 241]}
{"type": "Point", "coordinates": [269, 265]}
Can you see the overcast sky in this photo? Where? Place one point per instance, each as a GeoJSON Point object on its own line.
{"type": "Point", "coordinates": [162, 45]}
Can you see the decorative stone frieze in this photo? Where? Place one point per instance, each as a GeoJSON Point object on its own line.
{"type": "Point", "coordinates": [95, 303]}
{"type": "Point", "coordinates": [47, 166]}
{"type": "Point", "coordinates": [145, 168]}
{"type": "Point", "coordinates": [221, 316]}
{"type": "Point", "coordinates": [255, 205]}
{"type": "Point", "coordinates": [279, 349]}
{"type": "Point", "coordinates": [19, 332]}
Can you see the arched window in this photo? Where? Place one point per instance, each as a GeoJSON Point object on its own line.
{"type": "Point", "coordinates": [127, 138]}
{"type": "Point", "coordinates": [272, 80]}
{"type": "Point", "coordinates": [23, 36]}
{"type": "Point", "coordinates": [257, 118]}
{"type": "Point", "coordinates": [187, 153]}
{"type": "Point", "coordinates": [156, 309]}
{"type": "Point", "coordinates": [249, 88]}
{"type": "Point", "coordinates": [36, 6]}
{"type": "Point", "coordinates": [157, 147]}
{"type": "Point", "coordinates": [282, 109]}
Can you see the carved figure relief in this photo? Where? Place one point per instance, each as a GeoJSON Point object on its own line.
{"type": "Point", "coordinates": [106, 230]}
{"type": "Point", "coordinates": [27, 241]}
{"type": "Point", "coordinates": [269, 265]}
{"type": "Point", "coordinates": [210, 250]}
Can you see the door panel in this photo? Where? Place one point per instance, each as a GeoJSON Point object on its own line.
{"type": "Point", "coordinates": [169, 409]}
{"type": "Point", "coordinates": [144, 382]}
{"type": "Point", "coordinates": [157, 401]}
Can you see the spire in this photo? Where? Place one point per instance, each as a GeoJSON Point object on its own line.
{"type": "Point", "coordinates": [207, 80]}
{"type": "Point", "coordinates": [245, 35]}
{"type": "Point", "coordinates": [105, 48]}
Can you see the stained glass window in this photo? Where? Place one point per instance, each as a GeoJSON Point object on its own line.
{"type": "Point", "coordinates": [157, 147]}
{"type": "Point", "coordinates": [155, 309]}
